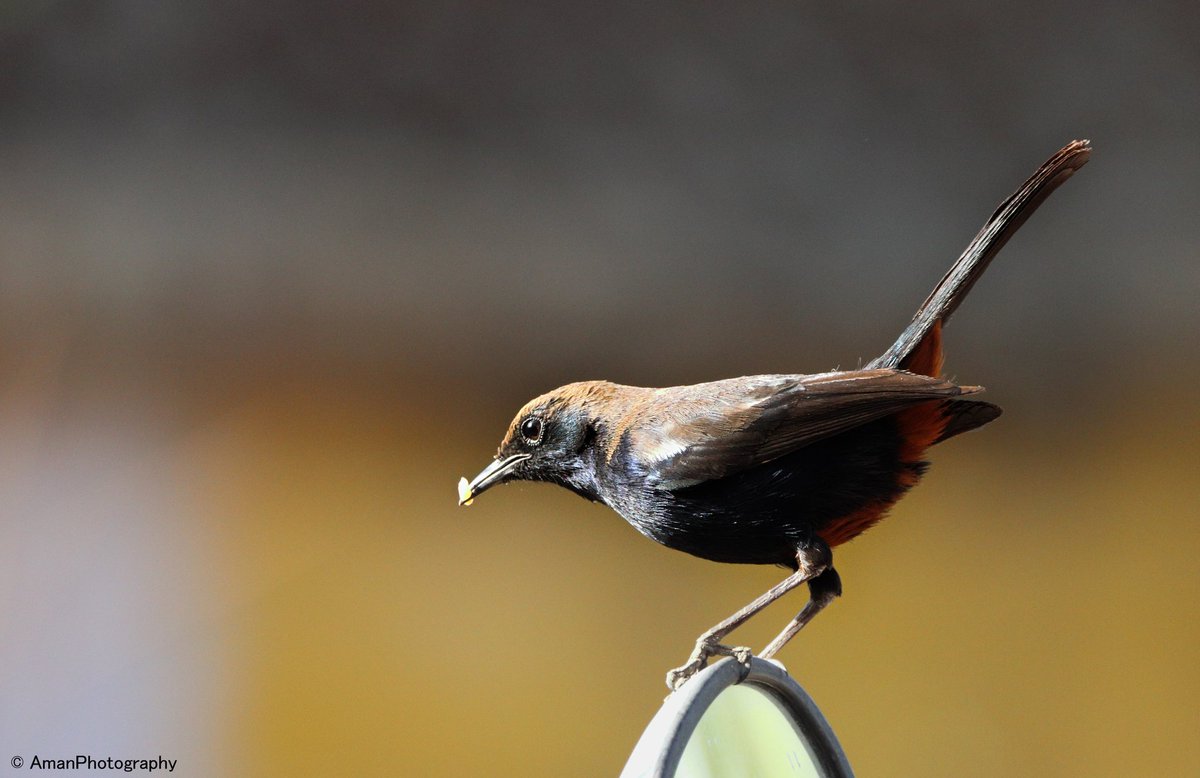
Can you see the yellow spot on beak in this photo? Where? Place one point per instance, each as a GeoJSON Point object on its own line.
{"type": "Point", "coordinates": [464, 492]}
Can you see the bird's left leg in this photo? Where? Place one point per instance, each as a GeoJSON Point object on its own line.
{"type": "Point", "coordinates": [812, 561]}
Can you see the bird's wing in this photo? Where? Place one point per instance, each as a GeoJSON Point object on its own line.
{"type": "Point", "coordinates": [701, 433]}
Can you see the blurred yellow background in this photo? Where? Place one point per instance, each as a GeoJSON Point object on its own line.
{"type": "Point", "coordinates": [273, 277]}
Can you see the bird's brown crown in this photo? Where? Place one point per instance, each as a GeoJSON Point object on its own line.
{"type": "Point", "coordinates": [581, 397]}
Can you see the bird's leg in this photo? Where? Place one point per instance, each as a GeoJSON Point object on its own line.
{"type": "Point", "coordinates": [822, 591]}
{"type": "Point", "coordinates": [811, 560]}
{"type": "Point", "coordinates": [708, 644]}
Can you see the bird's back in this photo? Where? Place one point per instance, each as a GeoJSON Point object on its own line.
{"type": "Point", "coordinates": [744, 470]}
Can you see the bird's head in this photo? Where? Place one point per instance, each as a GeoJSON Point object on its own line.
{"type": "Point", "coordinates": [550, 439]}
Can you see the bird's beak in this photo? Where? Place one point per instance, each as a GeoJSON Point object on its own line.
{"type": "Point", "coordinates": [491, 475]}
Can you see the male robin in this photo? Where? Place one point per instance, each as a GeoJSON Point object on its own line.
{"type": "Point", "coordinates": [769, 469]}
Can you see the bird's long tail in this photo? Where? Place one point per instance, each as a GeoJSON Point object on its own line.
{"type": "Point", "coordinates": [921, 340]}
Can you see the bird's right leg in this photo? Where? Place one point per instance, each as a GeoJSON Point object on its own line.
{"type": "Point", "coordinates": [812, 560]}
{"type": "Point", "coordinates": [824, 589]}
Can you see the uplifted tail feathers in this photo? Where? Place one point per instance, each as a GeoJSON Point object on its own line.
{"type": "Point", "coordinates": [911, 351]}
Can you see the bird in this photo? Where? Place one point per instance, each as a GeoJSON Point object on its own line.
{"type": "Point", "coordinates": [769, 469]}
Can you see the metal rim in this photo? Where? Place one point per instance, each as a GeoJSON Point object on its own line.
{"type": "Point", "coordinates": [659, 750]}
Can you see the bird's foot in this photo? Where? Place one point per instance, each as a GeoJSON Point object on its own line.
{"type": "Point", "coordinates": [705, 647]}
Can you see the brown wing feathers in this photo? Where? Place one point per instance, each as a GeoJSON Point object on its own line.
{"type": "Point", "coordinates": [685, 447]}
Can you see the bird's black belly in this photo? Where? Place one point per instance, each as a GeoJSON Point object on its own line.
{"type": "Point", "coordinates": [762, 515]}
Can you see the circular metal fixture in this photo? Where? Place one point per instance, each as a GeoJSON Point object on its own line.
{"type": "Point", "coordinates": [730, 720]}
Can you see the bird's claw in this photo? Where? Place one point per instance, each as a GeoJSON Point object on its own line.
{"type": "Point", "coordinates": [741, 655]}
{"type": "Point", "coordinates": [677, 677]}
{"type": "Point", "coordinates": [699, 659]}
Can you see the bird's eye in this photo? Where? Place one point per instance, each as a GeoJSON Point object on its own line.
{"type": "Point", "coordinates": [531, 429]}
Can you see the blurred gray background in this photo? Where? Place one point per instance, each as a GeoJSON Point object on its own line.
{"type": "Point", "coordinates": [768, 189]}
{"type": "Point", "coordinates": [273, 275]}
